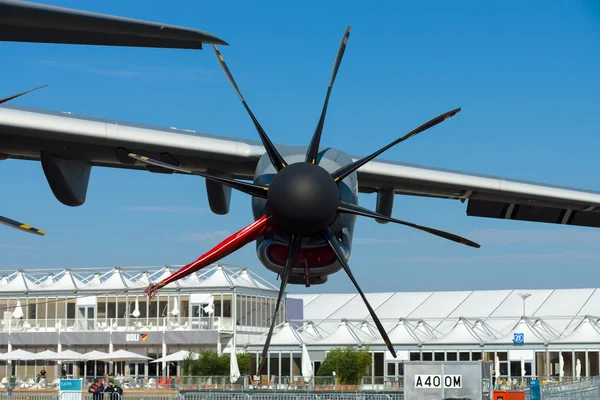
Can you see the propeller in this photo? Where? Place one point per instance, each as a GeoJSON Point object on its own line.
{"type": "Point", "coordinates": [19, 225]}
{"type": "Point", "coordinates": [303, 200]}
{"type": "Point", "coordinates": [249, 188]}
{"type": "Point", "coordinates": [293, 249]}
{"type": "Point", "coordinates": [346, 170]}
{"type": "Point", "coordinates": [4, 100]}
{"type": "Point", "coordinates": [7, 221]}
{"type": "Point", "coordinates": [313, 148]}
{"type": "Point", "coordinates": [276, 159]}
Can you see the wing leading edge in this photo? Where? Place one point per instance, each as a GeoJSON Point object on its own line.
{"type": "Point", "coordinates": [22, 21]}
{"type": "Point", "coordinates": [28, 134]}
{"type": "Point", "coordinates": [487, 196]}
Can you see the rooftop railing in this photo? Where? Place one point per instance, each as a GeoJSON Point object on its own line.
{"type": "Point", "coordinates": [117, 324]}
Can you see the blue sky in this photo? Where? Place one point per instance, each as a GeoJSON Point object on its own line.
{"type": "Point", "coordinates": [524, 73]}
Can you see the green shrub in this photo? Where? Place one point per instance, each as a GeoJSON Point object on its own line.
{"type": "Point", "coordinates": [209, 363]}
{"type": "Point", "coordinates": [349, 364]}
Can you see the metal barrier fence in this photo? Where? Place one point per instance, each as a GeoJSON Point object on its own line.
{"type": "Point", "coordinates": [292, 396]}
{"type": "Point", "coordinates": [211, 396]}
{"type": "Point", "coordinates": [33, 395]}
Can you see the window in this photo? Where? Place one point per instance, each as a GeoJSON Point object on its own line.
{"type": "Point", "coordinates": [540, 363]}
{"type": "Point", "coordinates": [391, 369]}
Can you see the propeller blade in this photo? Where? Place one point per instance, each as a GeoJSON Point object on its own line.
{"type": "Point", "coordinates": [354, 209]}
{"type": "Point", "coordinates": [258, 228]}
{"type": "Point", "coordinates": [21, 226]}
{"type": "Point", "coordinates": [293, 249]}
{"type": "Point", "coordinates": [335, 246]}
{"type": "Point", "coordinates": [313, 148]}
{"type": "Point", "coordinates": [276, 158]}
{"type": "Point", "coordinates": [346, 170]}
{"type": "Point", "coordinates": [249, 188]}
{"type": "Point", "coordinates": [4, 100]}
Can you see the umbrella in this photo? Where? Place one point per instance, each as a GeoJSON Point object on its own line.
{"type": "Point", "coordinates": [307, 371]}
{"type": "Point", "coordinates": [178, 356]}
{"type": "Point", "coordinates": [497, 366]}
{"type": "Point", "coordinates": [578, 368]}
{"type": "Point", "coordinates": [95, 355]}
{"type": "Point", "coordinates": [561, 366]}
{"type": "Point", "coordinates": [70, 355]}
{"type": "Point", "coordinates": [234, 371]}
{"type": "Point", "coordinates": [46, 355]}
{"type": "Point", "coordinates": [18, 355]}
{"type": "Point", "coordinates": [124, 355]}
{"type": "Point", "coordinates": [136, 312]}
{"type": "Point", "coordinates": [175, 307]}
{"type": "Point", "coordinates": [18, 311]}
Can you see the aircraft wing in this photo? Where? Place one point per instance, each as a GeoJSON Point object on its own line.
{"type": "Point", "coordinates": [22, 21]}
{"type": "Point", "coordinates": [486, 196]}
{"type": "Point", "coordinates": [63, 141]}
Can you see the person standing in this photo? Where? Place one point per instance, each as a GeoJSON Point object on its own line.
{"type": "Point", "coordinates": [115, 391]}
{"type": "Point", "coordinates": [97, 389]}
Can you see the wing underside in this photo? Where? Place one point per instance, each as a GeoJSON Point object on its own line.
{"type": "Point", "coordinates": [486, 196]}
{"type": "Point", "coordinates": [50, 136]}
{"type": "Point", "coordinates": [23, 21]}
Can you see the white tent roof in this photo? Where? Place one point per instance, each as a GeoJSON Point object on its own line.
{"type": "Point", "coordinates": [285, 334]}
{"type": "Point", "coordinates": [67, 282]}
{"type": "Point", "coordinates": [93, 282]}
{"type": "Point", "coordinates": [344, 335]}
{"type": "Point", "coordinates": [310, 330]}
{"type": "Point", "coordinates": [218, 278]}
{"type": "Point", "coordinates": [163, 274]}
{"type": "Point", "coordinates": [403, 333]}
{"type": "Point", "coordinates": [142, 281]}
{"type": "Point", "coordinates": [243, 278]}
{"type": "Point", "coordinates": [587, 331]}
{"type": "Point", "coordinates": [18, 283]}
{"type": "Point", "coordinates": [461, 333]}
{"type": "Point", "coordinates": [113, 280]}
{"type": "Point", "coordinates": [192, 280]}
{"type": "Point", "coordinates": [117, 278]}
{"type": "Point", "coordinates": [47, 281]}
{"type": "Point", "coordinates": [524, 326]}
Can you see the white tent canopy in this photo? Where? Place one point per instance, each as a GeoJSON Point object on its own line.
{"type": "Point", "coordinates": [344, 335]}
{"type": "Point", "coordinates": [124, 355]}
{"type": "Point", "coordinates": [18, 283]}
{"type": "Point", "coordinates": [95, 355]}
{"type": "Point", "coordinates": [461, 333]}
{"type": "Point", "coordinates": [218, 278]}
{"type": "Point", "coordinates": [67, 282]}
{"type": "Point", "coordinates": [177, 356]}
{"type": "Point", "coordinates": [586, 332]}
{"type": "Point", "coordinates": [18, 355]}
{"type": "Point", "coordinates": [525, 327]}
{"type": "Point", "coordinates": [70, 355]}
{"type": "Point", "coordinates": [46, 355]}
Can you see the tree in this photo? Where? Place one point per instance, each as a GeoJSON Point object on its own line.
{"type": "Point", "coordinates": [349, 365]}
{"type": "Point", "coordinates": [244, 360]}
{"type": "Point", "coordinates": [210, 363]}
